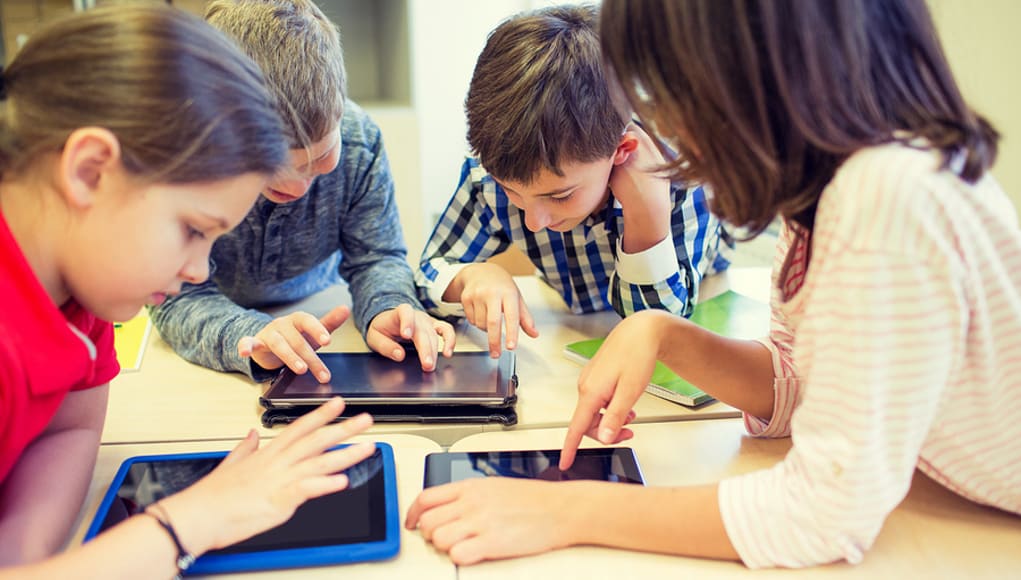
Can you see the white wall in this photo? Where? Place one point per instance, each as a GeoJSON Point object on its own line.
{"type": "Point", "coordinates": [981, 41]}
{"type": "Point", "coordinates": [447, 37]}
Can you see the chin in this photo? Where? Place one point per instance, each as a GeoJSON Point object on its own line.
{"type": "Point", "coordinates": [566, 226]}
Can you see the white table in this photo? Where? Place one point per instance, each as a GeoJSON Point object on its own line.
{"type": "Point", "coordinates": [932, 534]}
{"type": "Point", "coordinates": [170, 399]}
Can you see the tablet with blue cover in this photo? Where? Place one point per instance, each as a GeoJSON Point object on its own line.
{"type": "Point", "coordinates": [357, 524]}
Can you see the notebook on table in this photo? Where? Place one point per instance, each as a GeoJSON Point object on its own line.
{"type": "Point", "coordinates": [729, 314]}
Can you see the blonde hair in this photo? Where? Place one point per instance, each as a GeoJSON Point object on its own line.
{"type": "Point", "coordinates": [300, 53]}
{"type": "Point", "coordinates": [183, 102]}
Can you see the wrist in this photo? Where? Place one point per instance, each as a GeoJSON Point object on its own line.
{"type": "Point", "coordinates": [671, 329]}
{"type": "Point", "coordinates": [580, 514]}
{"type": "Point", "coordinates": [192, 524]}
{"type": "Point", "coordinates": [183, 558]}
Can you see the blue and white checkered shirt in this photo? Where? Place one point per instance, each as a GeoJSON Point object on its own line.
{"type": "Point", "coordinates": [586, 264]}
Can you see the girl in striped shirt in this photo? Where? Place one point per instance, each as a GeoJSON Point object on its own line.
{"type": "Point", "coordinates": [896, 332]}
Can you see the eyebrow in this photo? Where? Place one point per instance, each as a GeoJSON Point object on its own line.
{"type": "Point", "coordinates": [547, 194]}
{"type": "Point", "coordinates": [322, 155]}
{"type": "Point", "coordinates": [216, 220]}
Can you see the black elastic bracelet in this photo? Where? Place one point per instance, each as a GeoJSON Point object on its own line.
{"type": "Point", "coordinates": [184, 558]}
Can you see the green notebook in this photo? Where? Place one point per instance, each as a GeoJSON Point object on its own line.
{"type": "Point", "coordinates": [730, 314]}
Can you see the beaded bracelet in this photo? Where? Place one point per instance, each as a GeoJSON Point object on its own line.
{"type": "Point", "coordinates": [184, 558]}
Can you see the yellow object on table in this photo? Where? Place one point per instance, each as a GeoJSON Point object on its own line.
{"type": "Point", "coordinates": [129, 340]}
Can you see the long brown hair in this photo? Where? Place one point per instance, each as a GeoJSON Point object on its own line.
{"type": "Point", "coordinates": [184, 103]}
{"type": "Point", "coordinates": [768, 98]}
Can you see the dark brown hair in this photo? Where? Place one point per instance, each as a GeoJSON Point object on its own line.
{"type": "Point", "coordinates": [300, 53]}
{"type": "Point", "coordinates": [768, 98]}
{"type": "Point", "coordinates": [538, 97]}
{"type": "Point", "coordinates": [184, 103]}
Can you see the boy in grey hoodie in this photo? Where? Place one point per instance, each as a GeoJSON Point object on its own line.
{"type": "Point", "coordinates": [330, 218]}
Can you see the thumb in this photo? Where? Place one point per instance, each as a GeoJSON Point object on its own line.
{"type": "Point", "coordinates": [247, 446]}
{"type": "Point", "coordinates": [614, 418]}
{"type": "Point", "coordinates": [335, 318]}
{"type": "Point", "coordinates": [246, 346]}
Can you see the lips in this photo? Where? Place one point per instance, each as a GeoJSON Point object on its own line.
{"type": "Point", "coordinates": [283, 196]}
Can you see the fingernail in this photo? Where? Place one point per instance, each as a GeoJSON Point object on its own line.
{"type": "Point", "coordinates": [406, 333]}
{"type": "Point", "coordinates": [300, 367]}
{"type": "Point", "coordinates": [427, 361]}
{"type": "Point", "coordinates": [324, 377]}
{"type": "Point", "coordinates": [606, 435]}
{"type": "Point", "coordinates": [324, 338]}
{"type": "Point", "coordinates": [397, 353]}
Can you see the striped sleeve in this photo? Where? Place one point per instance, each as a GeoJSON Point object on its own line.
{"type": "Point", "coordinates": [780, 345]}
{"type": "Point", "coordinates": [878, 338]}
{"type": "Point", "coordinates": [468, 231]}
{"type": "Point", "coordinates": [667, 276]}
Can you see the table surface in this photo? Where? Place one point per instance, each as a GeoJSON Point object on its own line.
{"type": "Point", "coordinates": [170, 399]}
{"type": "Point", "coordinates": [933, 533]}
{"type": "Point", "coordinates": [417, 559]}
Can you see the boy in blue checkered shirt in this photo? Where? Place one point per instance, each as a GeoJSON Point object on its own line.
{"type": "Point", "coordinates": [560, 173]}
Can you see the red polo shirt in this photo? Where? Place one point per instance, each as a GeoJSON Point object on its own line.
{"type": "Point", "coordinates": [45, 352]}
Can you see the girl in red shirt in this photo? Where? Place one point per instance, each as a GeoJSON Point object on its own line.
{"type": "Point", "coordinates": [130, 139]}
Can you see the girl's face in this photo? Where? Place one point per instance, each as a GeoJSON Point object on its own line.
{"type": "Point", "coordinates": [137, 243]}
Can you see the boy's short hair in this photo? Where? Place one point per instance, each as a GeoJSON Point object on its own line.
{"type": "Point", "coordinates": [538, 97]}
{"type": "Point", "coordinates": [299, 51]}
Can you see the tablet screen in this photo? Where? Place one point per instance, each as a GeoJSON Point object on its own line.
{"type": "Point", "coordinates": [352, 516]}
{"type": "Point", "coordinates": [617, 464]}
{"type": "Point", "coordinates": [467, 377]}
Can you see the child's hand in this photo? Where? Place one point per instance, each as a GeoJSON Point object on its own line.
{"type": "Point", "coordinates": [493, 518]}
{"type": "Point", "coordinates": [614, 380]}
{"type": "Point", "coordinates": [489, 297]}
{"type": "Point", "coordinates": [405, 323]}
{"type": "Point", "coordinates": [255, 489]}
{"type": "Point", "coordinates": [293, 340]}
{"type": "Point", "coordinates": [635, 181]}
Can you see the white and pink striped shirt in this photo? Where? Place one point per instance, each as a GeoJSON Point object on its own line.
{"type": "Point", "coordinates": [899, 347]}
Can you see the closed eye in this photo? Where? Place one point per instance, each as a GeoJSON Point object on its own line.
{"type": "Point", "coordinates": [194, 234]}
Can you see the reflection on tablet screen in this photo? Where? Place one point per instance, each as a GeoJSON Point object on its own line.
{"type": "Point", "coordinates": [603, 465]}
{"type": "Point", "coordinates": [353, 515]}
{"type": "Point", "coordinates": [376, 375]}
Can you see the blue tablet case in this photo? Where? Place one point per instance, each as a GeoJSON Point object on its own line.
{"type": "Point", "coordinates": [213, 563]}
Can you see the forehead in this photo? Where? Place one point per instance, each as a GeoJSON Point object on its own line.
{"type": "Point", "coordinates": [318, 149]}
{"type": "Point", "coordinates": [574, 174]}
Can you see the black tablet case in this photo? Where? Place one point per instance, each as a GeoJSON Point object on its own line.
{"type": "Point", "coordinates": [403, 414]}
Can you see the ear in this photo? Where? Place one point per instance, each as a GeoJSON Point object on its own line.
{"type": "Point", "coordinates": [627, 146]}
{"type": "Point", "coordinates": [89, 157]}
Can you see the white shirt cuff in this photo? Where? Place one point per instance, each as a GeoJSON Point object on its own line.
{"type": "Point", "coordinates": [648, 266]}
{"type": "Point", "coordinates": [444, 276]}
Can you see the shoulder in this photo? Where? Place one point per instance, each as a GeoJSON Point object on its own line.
{"type": "Point", "coordinates": [357, 127]}
{"type": "Point", "coordinates": [893, 195]}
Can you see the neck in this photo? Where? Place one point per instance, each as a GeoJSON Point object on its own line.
{"type": "Point", "coordinates": [32, 223]}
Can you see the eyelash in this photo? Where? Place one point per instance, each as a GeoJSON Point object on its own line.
{"type": "Point", "coordinates": [194, 233]}
{"type": "Point", "coordinates": [561, 199]}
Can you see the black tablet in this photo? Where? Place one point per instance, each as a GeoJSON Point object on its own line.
{"type": "Point", "coordinates": [357, 524]}
{"type": "Point", "coordinates": [368, 378]}
{"type": "Point", "coordinates": [617, 464]}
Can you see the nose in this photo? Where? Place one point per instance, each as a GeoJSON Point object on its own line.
{"type": "Point", "coordinates": [196, 269]}
{"type": "Point", "coordinates": [536, 220]}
